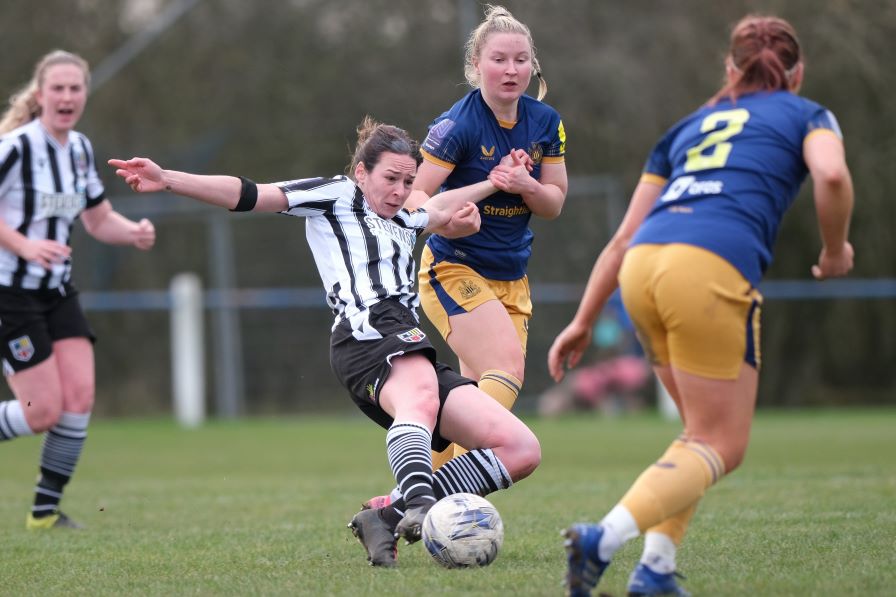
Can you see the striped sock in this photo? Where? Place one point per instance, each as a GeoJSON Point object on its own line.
{"type": "Point", "coordinates": [12, 420]}
{"type": "Point", "coordinates": [408, 451]}
{"type": "Point", "coordinates": [479, 472]}
{"type": "Point", "coordinates": [61, 450]}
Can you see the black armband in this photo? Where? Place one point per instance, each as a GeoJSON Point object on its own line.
{"type": "Point", "coordinates": [248, 195]}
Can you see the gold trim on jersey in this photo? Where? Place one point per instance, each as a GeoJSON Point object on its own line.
{"type": "Point", "coordinates": [653, 179]}
{"type": "Point", "coordinates": [433, 159]}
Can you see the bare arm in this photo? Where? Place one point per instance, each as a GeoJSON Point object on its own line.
{"type": "Point", "coordinates": [108, 226]}
{"type": "Point", "coordinates": [571, 343]}
{"type": "Point", "coordinates": [442, 207]}
{"type": "Point", "coordinates": [429, 179]}
{"type": "Point", "coordinates": [832, 185]}
{"type": "Point", "coordinates": [145, 176]}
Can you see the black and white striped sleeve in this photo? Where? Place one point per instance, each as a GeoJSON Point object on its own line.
{"type": "Point", "coordinates": [10, 163]}
{"type": "Point", "coordinates": [314, 196]}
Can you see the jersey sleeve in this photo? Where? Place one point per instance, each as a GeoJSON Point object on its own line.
{"type": "Point", "coordinates": [555, 153]}
{"type": "Point", "coordinates": [658, 168]}
{"type": "Point", "coordinates": [418, 219]}
{"type": "Point", "coordinates": [95, 190]}
{"type": "Point", "coordinates": [314, 196]}
{"type": "Point", "coordinates": [445, 143]}
{"type": "Point", "coordinates": [822, 119]}
{"type": "Point", "coordinates": [10, 163]}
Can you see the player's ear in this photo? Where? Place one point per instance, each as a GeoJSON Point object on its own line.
{"type": "Point", "coordinates": [360, 172]}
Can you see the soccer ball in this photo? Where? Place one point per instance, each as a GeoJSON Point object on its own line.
{"type": "Point", "coordinates": [463, 530]}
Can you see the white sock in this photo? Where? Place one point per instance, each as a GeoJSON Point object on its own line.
{"type": "Point", "coordinates": [659, 553]}
{"type": "Point", "coordinates": [619, 527]}
{"type": "Point", "coordinates": [12, 420]}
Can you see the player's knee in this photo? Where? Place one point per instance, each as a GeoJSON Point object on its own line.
{"type": "Point", "coordinates": [516, 365]}
{"type": "Point", "coordinates": [523, 454]}
{"type": "Point", "coordinates": [42, 415]}
{"type": "Point", "coordinates": [731, 452]}
{"type": "Point", "coordinates": [79, 396]}
{"type": "Point", "coordinates": [429, 404]}
{"type": "Point", "coordinates": [512, 362]}
{"type": "Point", "coordinates": [733, 457]}
{"type": "Point", "coordinates": [423, 407]}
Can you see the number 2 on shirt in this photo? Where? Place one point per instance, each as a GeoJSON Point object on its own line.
{"type": "Point", "coordinates": [717, 140]}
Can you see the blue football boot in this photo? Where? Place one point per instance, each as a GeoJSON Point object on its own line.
{"type": "Point", "coordinates": [584, 566]}
{"type": "Point", "coordinates": [645, 581]}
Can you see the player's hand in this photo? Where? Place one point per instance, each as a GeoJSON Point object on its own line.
{"type": "Point", "coordinates": [568, 349]}
{"type": "Point", "coordinates": [518, 157]}
{"type": "Point", "coordinates": [513, 177]}
{"type": "Point", "coordinates": [144, 235]}
{"type": "Point", "coordinates": [464, 222]}
{"type": "Point", "coordinates": [142, 174]}
{"type": "Point", "coordinates": [44, 252]}
{"type": "Point", "coordinates": [834, 264]}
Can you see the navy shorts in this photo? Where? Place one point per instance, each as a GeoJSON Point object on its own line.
{"type": "Point", "coordinates": [363, 366]}
{"type": "Point", "coordinates": [31, 320]}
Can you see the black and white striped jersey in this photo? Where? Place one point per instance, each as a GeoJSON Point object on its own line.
{"type": "Point", "coordinates": [362, 258]}
{"type": "Point", "coordinates": [44, 186]}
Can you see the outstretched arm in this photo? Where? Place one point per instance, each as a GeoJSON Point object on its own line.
{"type": "Point", "coordinates": [826, 159]}
{"type": "Point", "coordinates": [429, 178]}
{"type": "Point", "coordinates": [443, 206]}
{"type": "Point", "coordinates": [569, 346]}
{"type": "Point", "coordinates": [145, 176]}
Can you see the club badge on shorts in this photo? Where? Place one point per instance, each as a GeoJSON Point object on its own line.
{"type": "Point", "coordinates": [414, 335]}
{"type": "Point", "coordinates": [22, 348]}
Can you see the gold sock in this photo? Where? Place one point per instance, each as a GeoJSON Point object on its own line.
{"type": "Point", "coordinates": [501, 386]}
{"type": "Point", "coordinates": [440, 458]}
{"type": "Point", "coordinates": [673, 484]}
{"type": "Point", "coordinates": [676, 525]}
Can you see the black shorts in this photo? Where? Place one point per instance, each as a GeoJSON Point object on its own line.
{"type": "Point", "coordinates": [363, 366]}
{"type": "Point", "coordinates": [31, 320]}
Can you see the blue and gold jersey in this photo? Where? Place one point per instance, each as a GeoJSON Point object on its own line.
{"type": "Point", "coordinates": [470, 141]}
{"type": "Point", "coordinates": [730, 172]}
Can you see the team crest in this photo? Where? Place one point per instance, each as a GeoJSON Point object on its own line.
{"type": "Point", "coordinates": [536, 153]}
{"type": "Point", "coordinates": [469, 289]}
{"type": "Point", "coordinates": [22, 349]}
{"type": "Point", "coordinates": [370, 391]}
{"type": "Point", "coordinates": [414, 335]}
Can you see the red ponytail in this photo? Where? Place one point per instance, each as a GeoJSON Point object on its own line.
{"type": "Point", "coordinates": [764, 53]}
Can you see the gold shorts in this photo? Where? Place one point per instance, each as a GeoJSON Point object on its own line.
{"type": "Point", "coordinates": [448, 289]}
{"type": "Point", "coordinates": [691, 309]}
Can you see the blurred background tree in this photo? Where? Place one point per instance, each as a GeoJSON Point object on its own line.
{"type": "Point", "coordinates": [273, 90]}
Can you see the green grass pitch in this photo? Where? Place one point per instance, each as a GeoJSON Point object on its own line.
{"type": "Point", "coordinates": [259, 507]}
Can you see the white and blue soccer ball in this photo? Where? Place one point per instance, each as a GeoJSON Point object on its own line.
{"type": "Point", "coordinates": [463, 530]}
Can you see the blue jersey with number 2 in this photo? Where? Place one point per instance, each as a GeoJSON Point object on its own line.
{"type": "Point", "coordinates": [730, 171]}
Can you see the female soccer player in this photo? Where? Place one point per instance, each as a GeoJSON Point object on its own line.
{"type": "Point", "coordinates": [48, 179]}
{"type": "Point", "coordinates": [689, 254]}
{"type": "Point", "coordinates": [362, 240]}
{"type": "Point", "coordinates": [474, 289]}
